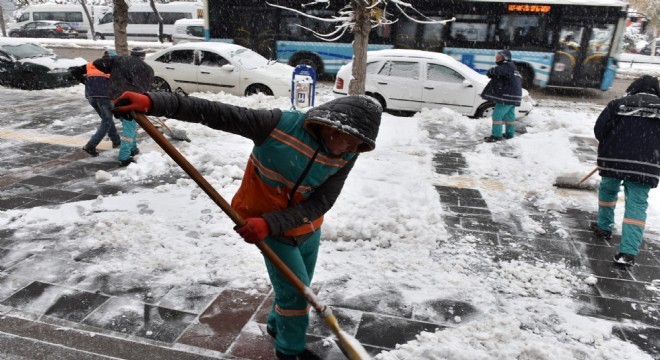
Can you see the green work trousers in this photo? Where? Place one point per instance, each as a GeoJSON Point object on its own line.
{"type": "Point", "coordinates": [289, 317]}
{"type": "Point", "coordinates": [634, 218]}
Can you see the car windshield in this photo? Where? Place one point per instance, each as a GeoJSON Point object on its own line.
{"type": "Point", "coordinates": [28, 50]}
{"type": "Point", "coordinates": [249, 59]}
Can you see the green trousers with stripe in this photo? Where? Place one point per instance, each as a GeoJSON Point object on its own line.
{"type": "Point", "coordinates": [289, 317]}
{"type": "Point", "coordinates": [634, 218]}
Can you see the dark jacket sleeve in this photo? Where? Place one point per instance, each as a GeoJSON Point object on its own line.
{"type": "Point", "coordinates": [104, 64]}
{"type": "Point", "coordinates": [499, 71]}
{"type": "Point", "coordinates": [315, 206]}
{"type": "Point", "coordinates": [252, 124]}
{"type": "Point", "coordinates": [79, 72]}
{"type": "Point", "coordinates": [604, 122]}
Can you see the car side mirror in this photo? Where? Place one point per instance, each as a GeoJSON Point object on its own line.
{"type": "Point", "coordinates": [227, 67]}
{"type": "Point", "coordinates": [467, 84]}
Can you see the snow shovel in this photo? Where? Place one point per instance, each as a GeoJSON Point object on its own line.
{"type": "Point", "coordinates": [175, 134]}
{"type": "Point", "coordinates": [349, 344]}
{"type": "Point", "coordinates": [569, 182]}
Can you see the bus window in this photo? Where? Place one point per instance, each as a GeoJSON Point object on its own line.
{"type": "Point", "coordinates": [74, 17]}
{"type": "Point", "coordinates": [472, 28]}
{"type": "Point", "coordinates": [138, 17]}
{"type": "Point", "coordinates": [24, 17]}
{"type": "Point", "coordinates": [522, 30]}
{"type": "Point", "coordinates": [437, 72]}
{"type": "Point", "coordinates": [405, 34]}
{"type": "Point", "coordinates": [601, 39]}
{"type": "Point", "coordinates": [432, 36]}
{"type": "Point", "coordinates": [170, 17]}
{"type": "Point", "coordinates": [403, 69]}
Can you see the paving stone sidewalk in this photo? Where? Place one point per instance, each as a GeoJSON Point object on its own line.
{"type": "Point", "coordinates": [108, 317]}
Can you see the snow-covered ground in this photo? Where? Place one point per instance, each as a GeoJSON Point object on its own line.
{"type": "Point", "coordinates": [385, 232]}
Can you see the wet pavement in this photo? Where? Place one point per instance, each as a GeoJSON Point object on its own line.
{"type": "Point", "coordinates": [49, 316]}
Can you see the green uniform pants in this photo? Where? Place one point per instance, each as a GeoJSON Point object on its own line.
{"type": "Point", "coordinates": [504, 114]}
{"type": "Point", "coordinates": [634, 218]}
{"type": "Point", "coordinates": [128, 139]}
{"type": "Point", "coordinates": [289, 317]}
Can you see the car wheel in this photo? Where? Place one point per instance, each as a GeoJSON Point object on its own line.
{"type": "Point", "coordinates": [258, 88]}
{"type": "Point", "coordinates": [378, 98]}
{"type": "Point", "coordinates": [50, 35]}
{"type": "Point", "coordinates": [14, 34]}
{"type": "Point", "coordinates": [307, 58]}
{"type": "Point", "coordinates": [485, 111]}
{"type": "Point", "coordinates": [27, 81]}
{"type": "Point", "coordinates": [160, 85]}
{"type": "Point", "coordinates": [100, 36]}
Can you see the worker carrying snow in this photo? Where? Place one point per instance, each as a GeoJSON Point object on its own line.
{"type": "Point", "coordinates": [294, 175]}
{"type": "Point", "coordinates": [628, 133]}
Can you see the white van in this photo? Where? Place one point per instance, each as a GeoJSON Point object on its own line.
{"type": "Point", "coordinates": [72, 14]}
{"type": "Point", "coordinates": [142, 22]}
{"type": "Point", "coordinates": [188, 30]}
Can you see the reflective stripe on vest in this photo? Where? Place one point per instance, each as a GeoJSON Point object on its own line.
{"type": "Point", "coordinates": [93, 71]}
{"type": "Point", "coordinates": [275, 166]}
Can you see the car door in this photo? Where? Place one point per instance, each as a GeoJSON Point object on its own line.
{"type": "Point", "coordinates": [30, 29]}
{"type": "Point", "coordinates": [445, 87]}
{"type": "Point", "coordinates": [211, 76]}
{"type": "Point", "coordinates": [179, 70]}
{"type": "Point", "coordinates": [398, 81]}
{"type": "Point", "coordinates": [6, 68]}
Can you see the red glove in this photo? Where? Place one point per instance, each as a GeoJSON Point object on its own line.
{"type": "Point", "coordinates": [132, 101]}
{"type": "Point", "coordinates": [254, 231]}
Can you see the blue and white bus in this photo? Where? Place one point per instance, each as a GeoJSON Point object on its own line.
{"type": "Point", "coordinates": [563, 43]}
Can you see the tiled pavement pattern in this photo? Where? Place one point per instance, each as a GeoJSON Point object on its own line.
{"type": "Point", "coordinates": [126, 318]}
{"type": "Point", "coordinates": [620, 295]}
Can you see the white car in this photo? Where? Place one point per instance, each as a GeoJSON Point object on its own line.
{"type": "Point", "coordinates": [215, 67]}
{"type": "Point", "coordinates": [410, 80]}
{"type": "Point", "coordinates": [188, 30]}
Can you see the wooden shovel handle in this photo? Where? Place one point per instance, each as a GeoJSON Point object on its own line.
{"type": "Point", "coordinates": [588, 175]}
{"type": "Point", "coordinates": [160, 139]}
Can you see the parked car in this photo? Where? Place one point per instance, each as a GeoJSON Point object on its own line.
{"type": "Point", "coordinates": [29, 66]}
{"type": "Point", "coordinates": [40, 29]}
{"type": "Point", "coordinates": [215, 67]}
{"type": "Point", "coordinates": [188, 30]}
{"type": "Point", "coordinates": [409, 80]}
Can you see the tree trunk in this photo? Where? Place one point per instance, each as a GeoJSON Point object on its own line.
{"type": "Point", "coordinates": [2, 23]}
{"type": "Point", "coordinates": [89, 18]}
{"type": "Point", "coordinates": [160, 21]}
{"type": "Point", "coordinates": [120, 16]}
{"type": "Point", "coordinates": [360, 43]}
{"type": "Point", "coordinates": [653, 42]}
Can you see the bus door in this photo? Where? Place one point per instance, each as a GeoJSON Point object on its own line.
{"type": "Point", "coordinates": [582, 54]}
{"type": "Point", "coordinates": [255, 28]}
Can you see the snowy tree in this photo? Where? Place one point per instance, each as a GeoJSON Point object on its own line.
{"type": "Point", "coordinates": [360, 17]}
{"type": "Point", "coordinates": [650, 9]}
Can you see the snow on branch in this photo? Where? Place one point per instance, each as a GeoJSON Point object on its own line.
{"type": "Point", "coordinates": [345, 19]}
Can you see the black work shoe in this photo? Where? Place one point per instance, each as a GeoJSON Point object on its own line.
{"type": "Point", "coordinates": [126, 162]}
{"type": "Point", "coordinates": [135, 151]}
{"type": "Point", "coordinates": [507, 137]}
{"type": "Point", "coordinates": [116, 144]}
{"type": "Point", "coordinates": [305, 355]}
{"type": "Point", "coordinates": [600, 233]}
{"type": "Point", "coordinates": [624, 259]}
{"type": "Point", "coordinates": [90, 150]}
{"type": "Point", "coordinates": [271, 332]}
{"type": "Point", "coordinates": [490, 139]}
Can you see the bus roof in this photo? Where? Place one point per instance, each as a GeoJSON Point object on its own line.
{"type": "Point", "coordinates": [617, 3]}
